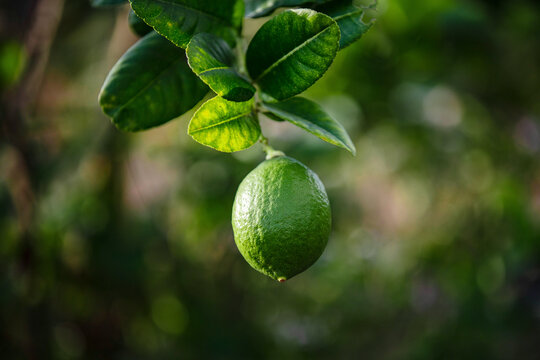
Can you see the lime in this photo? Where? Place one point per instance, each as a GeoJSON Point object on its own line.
{"type": "Point", "coordinates": [281, 218]}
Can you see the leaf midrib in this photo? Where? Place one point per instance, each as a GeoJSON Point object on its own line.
{"type": "Point", "coordinates": [336, 140]}
{"type": "Point", "coordinates": [349, 14]}
{"type": "Point", "coordinates": [292, 52]}
{"type": "Point", "coordinates": [220, 123]}
{"type": "Point", "coordinates": [212, 69]}
{"type": "Point", "coordinates": [279, 112]}
{"type": "Point", "coordinates": [147, 86]}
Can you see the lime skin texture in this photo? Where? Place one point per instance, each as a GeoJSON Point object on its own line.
{"type": "Point", "coordinates": [281, 218]}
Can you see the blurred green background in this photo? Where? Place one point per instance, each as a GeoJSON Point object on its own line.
{"type": "Point", "coordinates": [119, 246]}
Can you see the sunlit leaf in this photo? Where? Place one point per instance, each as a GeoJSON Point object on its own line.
{"type": "Point", "coordinates": [150, 85]}
{"type": "Point", "coordinates": [180, 20]}
{"type": "Point", "coordinates": [292, 51]}
{"type": "Point", "coordinates": [349, 19]}
{"type": "Point", "coordinates": [225, 125]}
{"type": "Point", "coordinates": [258, 8]}
{"type": "Point", "coordinates": [312, 118]}
{"type": "Point", "coordinates": [212, 60]}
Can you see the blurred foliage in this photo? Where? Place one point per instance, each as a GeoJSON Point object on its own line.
{"type": "Point", "coordinates": [12, 61]}
{"type": "Point", "coordinates": [435, 250]}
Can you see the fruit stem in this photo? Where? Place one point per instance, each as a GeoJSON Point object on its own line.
{"type": "Point", "coordinates": [270, 151]}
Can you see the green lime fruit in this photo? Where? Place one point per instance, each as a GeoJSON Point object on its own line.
{"type": "Point", "coordinates": [281, 218]}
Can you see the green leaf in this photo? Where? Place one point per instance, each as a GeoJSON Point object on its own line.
{"type": "Point", "coordinates": [150, 85]}
{"type": "Point", "coordinates": [179, 20]}
{"type": "Point", "coordinates": [259, 8]}
{"type": "Point", "coordinates": [212, 59]}
{"type": "Point", "coordinates": [98, 3]}
{"type": "Point", "coordinates": [292, 51]}
{"type": "Point", "coordinates": [137, 25]}
{"type": "Point", "coordinates": [349, 19]}
{"type": "Point", "coordinates": [224, 125]}
{"type": "Point", "coordinates": [271, 116]}
{"type": "Point", "coordinates": [13, 59]}
{"type": "Point", "coordinates": [312, 118]}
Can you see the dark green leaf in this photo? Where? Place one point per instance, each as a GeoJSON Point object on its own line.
{"type": "Point", "coordinates": [312, 118]}
{"type": "Point", "coordinates": [349, 19]}
{"type": "Point", "coordinates": [292, 51]}
{"type": "Point", "coordinates": [150, 85]}
{"type": "Point", "coordinates": [259, 8]}
{"type": "Point", "coordinates": [271, 116]}
{"type": "Point", "coordinates": [13, 59]}
{"type": "Point", "coordinates": [98, 3]}
{"type": "Point", "coordinates": [212, 60]}
{"type": "Point", "coordinates": [179, 20]}
{"type": "Point", "coordinates": [224, 125]}
{"type": "Point", "coordinates": [136, 24]}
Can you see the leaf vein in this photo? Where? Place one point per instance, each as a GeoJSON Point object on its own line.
{"type": "Point", "coordinates": [350, 14]}
{"type": "Point", "coordinates": [212, 69]}
{"type": "Point", "coordinates": [146, 87]}
{"type": "Point", "coordinates": [220, 123]}
{"type": "Point", "coordinates": [291, 53]}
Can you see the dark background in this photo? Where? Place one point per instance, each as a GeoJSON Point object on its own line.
{"type": "Point", "coordinates": [119, 246]}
